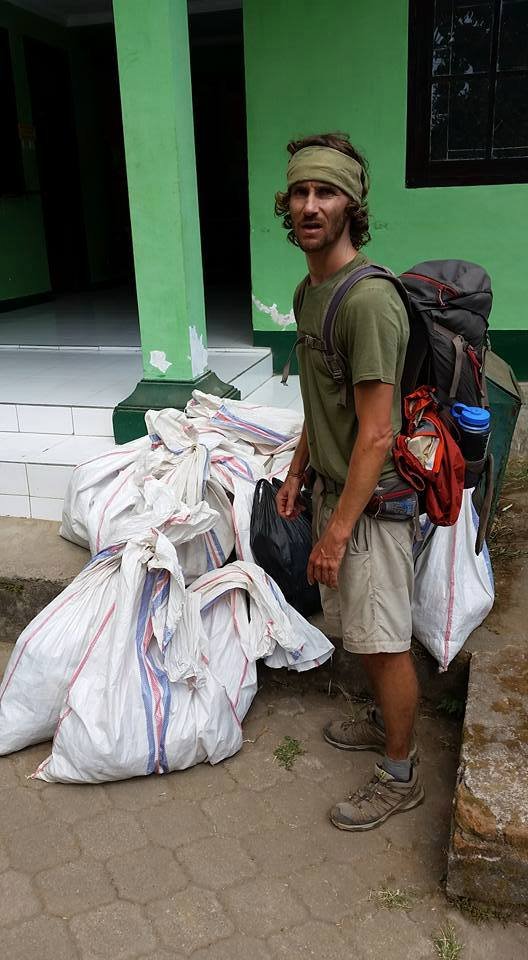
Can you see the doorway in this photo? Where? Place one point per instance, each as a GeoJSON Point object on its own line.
{"type": "Point", "coordinates": [50, 88]}
{"type": "Point", "coordinates": [219, 104]}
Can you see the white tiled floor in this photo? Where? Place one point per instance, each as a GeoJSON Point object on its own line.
{"type": "Point", "coordinates": [32, 380]}
{"type": "Point", "coordinates": [109, 318]}
{"type": "Point", "coordinates": [276, 394]}
{"type": "Point", "coordinates": [66, 378]}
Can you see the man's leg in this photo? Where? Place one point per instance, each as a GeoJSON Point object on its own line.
{"type": "Point", "coordinates": [375, 593]}
{"type": "Point", "coordinates": [393, 679]}
{"type": "Point", "coordinates": [395, 786]}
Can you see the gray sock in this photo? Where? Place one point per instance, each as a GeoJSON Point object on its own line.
{"type": "Point", "coordinates": [399, 769]}
{"type": "Point", "coordinates": [378, 718]}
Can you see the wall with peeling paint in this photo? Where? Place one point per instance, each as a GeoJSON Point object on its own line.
{"type": "Point", "coordinates": [313, 67]}
{"type": "Point", "coordinates": [153, 56]}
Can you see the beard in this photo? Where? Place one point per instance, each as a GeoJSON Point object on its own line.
{"type": "Point", "coordinates": [327, 237]}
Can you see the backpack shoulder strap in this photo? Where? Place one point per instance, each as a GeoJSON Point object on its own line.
{"type": "Point", "coordinates": [298, 297]}
{"type": "Point", "coordinates": [333, 360]}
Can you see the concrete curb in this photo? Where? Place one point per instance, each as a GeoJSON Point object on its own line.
{"type": "Point", "coordinates": [36, 565]}
{"type": "Point", "coordinates": [488, 854]}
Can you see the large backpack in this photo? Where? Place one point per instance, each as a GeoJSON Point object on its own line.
{"type": "Point", "coordinates": [448, 303]}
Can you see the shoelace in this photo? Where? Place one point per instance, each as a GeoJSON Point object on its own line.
{"type": "Point", "coordinates": [352, 720]}
{"type": "Point", "coordinates": [367, 792]}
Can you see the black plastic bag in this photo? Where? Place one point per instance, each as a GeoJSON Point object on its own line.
{"type": "Point", "coordinates": [282, 548]}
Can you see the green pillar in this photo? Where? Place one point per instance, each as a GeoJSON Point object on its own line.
{"type": "Point", "coordinates": [154, 75]}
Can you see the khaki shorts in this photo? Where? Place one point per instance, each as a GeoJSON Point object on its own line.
{"type": "Point", "coordinates": [371, 609]}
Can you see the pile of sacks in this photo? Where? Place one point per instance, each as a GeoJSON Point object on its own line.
{"type": "Point", "coordinates": [146, 662]}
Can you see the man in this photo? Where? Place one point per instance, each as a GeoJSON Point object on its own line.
{"type": "Point", "coordinates": [363, 563]}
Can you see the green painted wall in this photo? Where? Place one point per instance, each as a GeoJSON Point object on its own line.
{"type": "Point", "coordinates": [314, 67]}
{"type": "Point", "coordinates": [23, 261]}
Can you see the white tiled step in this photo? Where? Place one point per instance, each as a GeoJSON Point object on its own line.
{"type": "Point", "coordinates": [35, 470]}
{"type": "Point", "coordinates": [75, 394]}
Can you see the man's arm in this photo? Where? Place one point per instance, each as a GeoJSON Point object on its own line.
{"type": "Point", "coordinates": [287, 497]}
{"type": "Point", "coordinates": [373, 401]}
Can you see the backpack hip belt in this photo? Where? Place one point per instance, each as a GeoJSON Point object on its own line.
{"type": "Point", "coordinates": [392, 499]}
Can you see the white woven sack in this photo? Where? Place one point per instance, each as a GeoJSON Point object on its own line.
{"type": "Point", "coordinates": [453, 589]}
{"type": "Point", "coordinates": [171, 683]}
{"type": "Point", "coordinates": [266, 428]}
{"type": "Point", "coordinates": [50, 649]}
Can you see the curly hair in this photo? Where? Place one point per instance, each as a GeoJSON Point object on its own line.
{"type": "Point", "coordinates": [358, 212]}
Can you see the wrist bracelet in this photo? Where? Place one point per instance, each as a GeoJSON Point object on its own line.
{"type": "Point", "coordinates": [296, 476]}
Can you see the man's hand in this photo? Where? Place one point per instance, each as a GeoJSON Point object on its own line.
{"type": "Point", "coordinates": [326, 556]}
{"type": "Point", "coordinates": [289, 504]}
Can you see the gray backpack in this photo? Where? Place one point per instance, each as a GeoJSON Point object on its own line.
{"type": "Point", "coordinates": [448, 303]}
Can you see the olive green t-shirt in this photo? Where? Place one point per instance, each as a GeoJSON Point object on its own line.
{"type": "Point", "coordinates": [371, 331]}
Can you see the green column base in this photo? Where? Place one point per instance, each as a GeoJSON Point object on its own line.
{"type": "Point", "coordinates": [129, 415]}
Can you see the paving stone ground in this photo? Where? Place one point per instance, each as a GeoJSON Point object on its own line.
{"type": "Point", "coordinates": [234, 861]}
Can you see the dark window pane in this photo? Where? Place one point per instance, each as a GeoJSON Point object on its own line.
{"type": "Point", "coordinates": [513, 42]}
{"type": "Point", "coordinates": [510, 128]}
{"type": "Point", "coordinates": [468, 115]}
{"type": "Point", "coordinates": [472, 31]}
{"type": "Point", "coordinates": [441, 62]}
{"type": "Point", "coordinates": [439, 117]}
{"type": "Point", "coordinates": [443, 23]}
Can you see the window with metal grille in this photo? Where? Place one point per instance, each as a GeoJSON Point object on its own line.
{"type": "Point", "coordinates": [467, 117]}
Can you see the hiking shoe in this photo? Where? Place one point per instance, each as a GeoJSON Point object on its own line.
{"type": "Point", "coordinates": [360, 732]}
{"type": "Point", "coordinates": [377, 801]}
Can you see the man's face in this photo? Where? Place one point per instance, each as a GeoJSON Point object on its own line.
{"type": "Point", "coordinates": [318, 214]}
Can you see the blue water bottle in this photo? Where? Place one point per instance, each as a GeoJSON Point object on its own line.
{"type": "Point", "coordinates": [474, 424]}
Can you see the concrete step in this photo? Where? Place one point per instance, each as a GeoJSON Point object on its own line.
{"type": "Point", "coordinates": [36, 565]}
{"type": "Point", "coordinates": [488, 856]}
{"type": "Point", "coordinates": [43, 564]}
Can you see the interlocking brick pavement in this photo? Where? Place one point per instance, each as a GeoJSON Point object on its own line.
{"type": "Point", "coordinates": [235, 861]}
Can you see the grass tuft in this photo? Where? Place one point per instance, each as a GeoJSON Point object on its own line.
{"type": "Point", "coordinates": [287, 752]}
{"type": "Point", "coordinates": [393, 898]}
{"type": "Point", "coordinates": [446, 944]}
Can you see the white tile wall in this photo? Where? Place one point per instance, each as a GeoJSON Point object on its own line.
{"type": "Point", "coordinates": [20, 447]}
{"type": "Point", "coordinates": [8, 417]}
{"type": "Point", "coordinates": [45, 508]}
{"type": "Point", "coordinates": [48, 480]}
{"type": "Point", "coordinates": [12, 506]}
{"type": "Point", "coordinates": [93, 421]}
{"type": "Point", "coordinates": [41, 444]}
{"type": "Point", "coordinates": [73, 450]}
{"type": "Point", "coordinates": [13, 478]}
{"type": "Point", "coordinates": [41, 419]}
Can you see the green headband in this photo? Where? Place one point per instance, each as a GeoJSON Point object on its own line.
{"type": "Point", "coordinates": [328, 166]}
